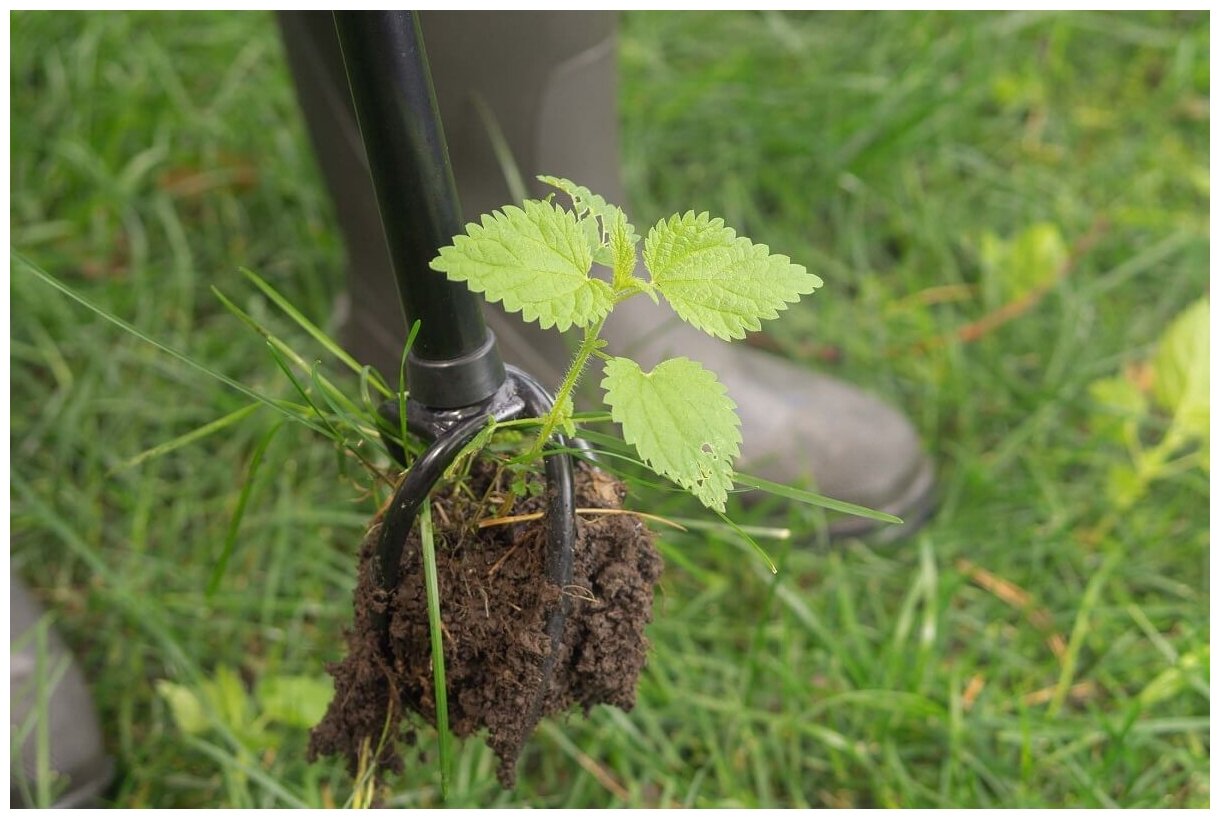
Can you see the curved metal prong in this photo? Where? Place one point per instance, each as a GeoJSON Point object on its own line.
{"type": "Point", "coordinates": [523, 396]}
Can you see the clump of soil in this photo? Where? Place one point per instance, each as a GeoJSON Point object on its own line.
{"type": "Point", "coordinates": [494, 598]}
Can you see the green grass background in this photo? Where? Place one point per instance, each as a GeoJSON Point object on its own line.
{"type": "Point", "coordinates": [152, 154]}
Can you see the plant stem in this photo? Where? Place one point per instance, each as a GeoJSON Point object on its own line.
{"type": "Point", "coordinates": [588, 346]}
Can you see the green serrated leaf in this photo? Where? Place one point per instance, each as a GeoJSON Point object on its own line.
{"type": "Point", "coordinates": [534, 260]}
{"type": "Point", "coordinates": [722, 284]}
{"type": "Point", "coordinates": [601, 220]}
{"type": "Point", "coordinates": [583, 200]}
{"type": "Point", "coordinates": [680, 420]}
{"type": "Point", "coordinates": [622, 250]}
{"type": "Point", "coordinates": [1181, 368]}
{"type": "Point", "coordinates": [593, 235]}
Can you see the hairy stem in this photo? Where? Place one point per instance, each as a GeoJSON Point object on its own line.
{"type": "Point", "coordinates": [588, 346]}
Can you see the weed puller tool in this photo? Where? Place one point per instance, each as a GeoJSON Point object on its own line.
{"type": "Point", "coordinates": [457, 379]}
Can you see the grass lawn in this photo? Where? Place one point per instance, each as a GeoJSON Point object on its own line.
{"type": "Point", "coordinates": [1006, 208]}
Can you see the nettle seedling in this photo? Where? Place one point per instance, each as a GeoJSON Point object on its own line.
{"type": "Point", "coordinates": [538, 260]}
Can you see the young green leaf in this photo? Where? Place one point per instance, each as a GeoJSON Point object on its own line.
{"type": "Point", "coordinates": [593, 235]}
{"type": "Point", "coordinates": [535, 260]}
{"type": "Point", "coordinates": [584, 201]}
{"type": "Point", "coordinates": [681, 421]}
{"type": "Point", "coordinates": [1182, 366]}
{"type": "Point", "coordinates": [622, 244]}
{"type": "Point", "coordinates": [720, 283]}
{"type": "Point", "coordinates": [599, 218]}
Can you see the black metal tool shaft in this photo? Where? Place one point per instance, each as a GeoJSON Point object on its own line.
{"type": "Point", "coordinates": [454, 362]}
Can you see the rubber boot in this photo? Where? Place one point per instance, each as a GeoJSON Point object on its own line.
{"type": "Point", "coordinates": [549, 81]}
{"type": "Point", "coordinates": [49, 703]}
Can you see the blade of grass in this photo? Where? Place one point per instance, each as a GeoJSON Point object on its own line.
{"type": "Point", "coordinates": [753, 543]}
{"type": "Point", "coordinates": [812, 498]}
{"type": "Point", "coordinates": [279, 345]}
{"type": "Point", "coordinates": [365, 787]}
{"type": "Point", "coordinates": [191, 437]}
{"type": "Point", "coordinates": [46, 680]}
{"type": "Point", "coordinates": [308, 326]}
{"type": "Point", "coordinates": [329, 429]}
{"type": "Point", "coordinates": [336, 399]}
{"type": "Point", "coordinates": [770, 532]}
{"type": "Point", "coordinates": [332, 431]}
{"type": "Point", "coordinates": [345, 414]}
{"type": "Point", "coordinates": [595, 769]}
{"type": "Point", "coordinates": [239, 512]}
{"type": "Point", "coordinates": [185, 359]}
{"type": "Point", "coordinates": [231, 761]}
{"type": "Point", "coordinates": [503, 151]}
{"type": "Point", "coordinates": [619, 451]}
{"type": "Point", "coordinates": [1080, 630]}
{"type": "Point", "coordinates": [140, 613]}
{"type": "Point", "coordinates": [370, 405]}
{"type": "Point", "coordinates": [402, 382]}
{"type": "Point", "coordinates": [436, 635]}
{"type": "Point", "coordinates": [583, 417]}
{"type": "Point", "coordinates": [372, 411]}
{"type": "Point", "coordinates": [345, 420]}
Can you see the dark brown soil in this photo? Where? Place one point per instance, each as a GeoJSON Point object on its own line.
{"type": "Point", "coordinates": [494, 594]}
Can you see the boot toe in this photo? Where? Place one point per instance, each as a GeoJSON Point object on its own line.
{"type": "Point", "coordinates": [80, 768]}
{"type": "Point", "coordinates": [807, 429]}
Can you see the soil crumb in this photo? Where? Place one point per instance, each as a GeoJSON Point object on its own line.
{"type": "Point", "coordinates": [494, 598]}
